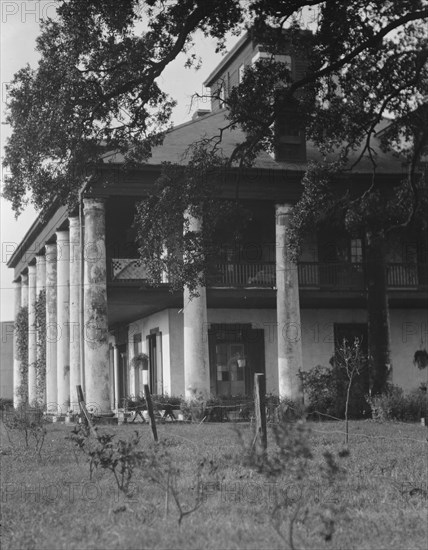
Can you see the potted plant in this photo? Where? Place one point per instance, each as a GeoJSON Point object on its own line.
{"type": "Point", "coordinates": [420, 359]}
{"type": "Point", "coordinates": [140, 360]}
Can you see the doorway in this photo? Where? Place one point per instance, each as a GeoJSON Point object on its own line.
{"type": "Point", "coordinates": [123, 374]}
{"type": "Point", "coordinates": [154, 347]}
{"type": "Point", "coordinates": [236, 353]}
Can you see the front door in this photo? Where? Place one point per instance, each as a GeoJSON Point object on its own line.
{"type": "Point", "coordinates": [236, 353]}
{"type": "Point", "coordinates": [230, 365]}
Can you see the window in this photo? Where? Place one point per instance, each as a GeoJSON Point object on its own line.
{"type": "Point", "coordinates": [289, 134]}
{"type": "Point", "coordinates": [356, 251]}
{"type": "Point", "coordinates": [222, 94]}
{"type": "Point", "coordinates": [410, 253]}
{"type": "Point", "coordinates": [241, 72]}
{"type": "Point", "coordinates": [138, 345]}
{"type": "Point", "coordinates": [348, 332]}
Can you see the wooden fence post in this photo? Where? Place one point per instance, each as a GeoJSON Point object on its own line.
{"type": "Point", "coordinates": [150, 411]}
{"type": "Point", "coordinates": [84, 410]}
{"type": "Point", "coordinates": [260, 410]}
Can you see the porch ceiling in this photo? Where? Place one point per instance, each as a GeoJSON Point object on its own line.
{"type": "Point", "coordinates": [129, 303]}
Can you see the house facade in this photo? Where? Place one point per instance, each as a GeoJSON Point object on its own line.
{"type": "Point", "coordinates": [259, 311]}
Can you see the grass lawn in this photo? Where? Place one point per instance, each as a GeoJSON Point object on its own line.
{"type": "Point", "coordinates": [378, 500]}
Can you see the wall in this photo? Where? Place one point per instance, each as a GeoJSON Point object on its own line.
{"type": "Point", "coordinates": [408, 333]}
{"type": "Point", "coordinates": [6, 360]}
{"type": "Point", "coordinates": [230, 75]}
{"type": "Point", "coordinates": [160, 321]}
{"type": "Point", "coordinates": [318, 332]}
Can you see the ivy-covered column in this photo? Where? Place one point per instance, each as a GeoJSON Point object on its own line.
{"type": "Point", "coordinates": [63, 320]}
{"type": "Point", "coordinates": [40, 274]}
{"type": "Point", "coordinates": [95, 308]}
{"type": "Point", "coordinates": [32, 336]}
{"type": "Point", "coordinates": [75, 289]}
{"type": "Point", "coordinates": [17, 378]}
{"type": "Point", "coordinates": [41, 328]}
{"type": "Point", "coordinates": [287, 310]}
{"type": "Point", "coordinates": [52, 332]}
{"type": "Point", "coordinates": [196, 356]}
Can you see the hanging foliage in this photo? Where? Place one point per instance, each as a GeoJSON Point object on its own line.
{"type": "Point", "coordinates": [167, 241]}
{"type": "Point", "coordinates": [420, 359]}
{"type": "Point", "coordinates": [21, 328]}
{"type": "Point", "coordinates": [40, 326]}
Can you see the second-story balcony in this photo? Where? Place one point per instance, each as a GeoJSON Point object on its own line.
{"type": "Point", "coordinates": [312, 275]}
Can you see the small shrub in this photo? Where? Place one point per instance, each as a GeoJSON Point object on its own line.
{"type": "Point", "coordinates": [30, 425]}
{"type": "Point", "coordinates": [291, 461]}
{"type": "Point", "coordinates": [6, 404]}
{"type": "Point", "coordinates": [325, 389]}
{"type": "Point", "coordinates": [288, 410]}
{"type": "Point", "coordinates": [120, 457]}
{"type": "Point", "coordinates": [394, 404]}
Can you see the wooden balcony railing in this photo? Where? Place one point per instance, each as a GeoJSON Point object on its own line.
{"type": "Point", "coordinates": [127, 269]}
{"type": "Point", "coordinates": [315, 275]}
{"type": "Point", "coordinates": [242, 275]}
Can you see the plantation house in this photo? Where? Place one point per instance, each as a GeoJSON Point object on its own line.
{"type": "Point", "coordinates": [259, 311]}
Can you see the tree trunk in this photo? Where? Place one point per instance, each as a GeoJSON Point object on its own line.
{"type": "Point", "coordinates": [379, 337]}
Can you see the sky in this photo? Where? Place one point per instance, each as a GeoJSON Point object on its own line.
{"type": "Point", "coordinates": [19, 30]}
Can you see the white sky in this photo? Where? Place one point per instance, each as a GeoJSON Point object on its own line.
{"type": "Point", "coordinates": [19, 29]}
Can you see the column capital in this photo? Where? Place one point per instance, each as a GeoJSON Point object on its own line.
{"type": "Point", "coordinates": [24, 278]}
{"type": "Point", "coordinates": [74, 221]}
{"type": "Point", "coordinates": [40, 273]}
{"type": "Point", "coordinates": [284, 207]}
{"type": "Point", "coordinates": [62, 235]}
{"type": "Point", "coordinates": [93, 204]}
{"type": "Point", "coordinates": [32, 270]}
{"type": "Point", "coordinates": [50, 248]}
{"type": "Point", "coordinates": [282, 213]}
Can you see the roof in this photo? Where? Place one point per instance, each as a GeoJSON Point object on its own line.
{"type": "Point", "coordinates": [178, 139]}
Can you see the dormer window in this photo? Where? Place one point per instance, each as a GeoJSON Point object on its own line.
{"type": "Point", "coordinates": [290, 136]}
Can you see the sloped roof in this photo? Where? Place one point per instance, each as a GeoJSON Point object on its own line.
{"type": "Point", "coordinates": [178, 139]}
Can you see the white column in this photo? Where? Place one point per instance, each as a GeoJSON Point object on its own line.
{"type": "Point", "coordinates": [95, 308]}
{"type": "Point", "coordinates": [132, 386]}
{"type": "Point", "coordinates": [196, 356]}
{"type": "Point", "coordinates": [40, 287]}
{"type": "Point", "coordinates": [17, 379]}
{"type": "Point", "coordinates": [24, 290]}
{"type": "Point", "coordinates": [116, 376]}
{"type": "Point", "coordinates": [32, 336]}
{"type": "Point", "coordinates": [75, 289]}
{"type": "Point", "coordinates": [63, 320]}
{"type": "Point", "coordinates": [288, 311]}
{"type": "Point", "coordinates": [52, 332]}
{"type": "Point", "coordinates": [40, 274]}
